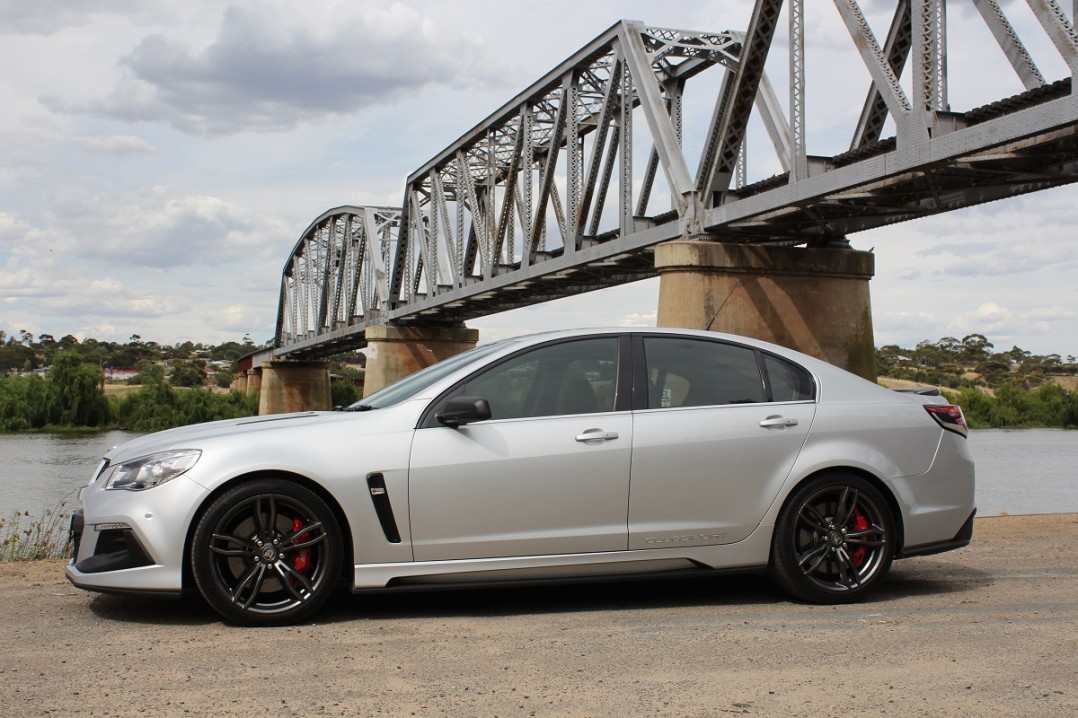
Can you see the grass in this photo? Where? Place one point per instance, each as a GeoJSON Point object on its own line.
{"type": "Point", "coordinates": [24, 537]}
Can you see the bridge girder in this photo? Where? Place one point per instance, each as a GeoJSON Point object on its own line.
{"type": "Point", "coordinates": [560, 191]}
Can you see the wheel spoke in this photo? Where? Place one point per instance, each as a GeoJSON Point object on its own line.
{"type": "Point", "coordinates": [248, 546]}
{"type": "Point", "coordinates": [812, 518]}
{"type": "Point", "coordinates": [847, 573]}
{"type": "Point", "coordinates": [311, 542]}
{"type": "Point", "coordinates": [260, 579]}
{"type": "Point", "coordinates": [251, 573]}
{"type": "Point", "coordinates": [267, 505]}
{"type": "Point", "coordinates": [282, 569]}
{"type": "Point", "coordinates": [846, 506]}
{"type": "Point", "coordinates": [817, 554]}
{"type": "Point", "coordinates": [868, 536]}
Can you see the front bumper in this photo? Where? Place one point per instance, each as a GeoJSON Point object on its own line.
{"type": "Point", "coordinates": [133, 541]}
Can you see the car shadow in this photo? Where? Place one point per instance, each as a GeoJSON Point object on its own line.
{"type": "Point", "coordinates": [548, 598]}
{"type": "Point", "coordinates": [186, 611]}
{"type": "Point", "coordinates": [919, 578]}
{"type": "Point", "coordinates": [906, 580]}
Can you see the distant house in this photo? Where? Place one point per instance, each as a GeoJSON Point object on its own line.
{"type": "Point", "coordinates": [120, 375]}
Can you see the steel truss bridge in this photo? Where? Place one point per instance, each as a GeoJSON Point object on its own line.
{"type": "Point", "coordinates": [568, 187]}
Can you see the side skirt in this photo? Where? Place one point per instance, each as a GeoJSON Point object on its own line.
{"type": "Point", "coordinates": [751, 553]}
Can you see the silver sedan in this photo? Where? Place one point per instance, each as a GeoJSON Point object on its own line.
{"type": "Point", "coordinates": [548, 457]}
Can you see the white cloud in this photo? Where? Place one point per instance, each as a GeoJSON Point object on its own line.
{"type": "Point", "coordinates": [46, 17]}
{"type": "Point", "coordinates": [147, 196]}
{"type": "Point", "coordinates": [160, 228]}
{"type": "Point", "coordinates": [115, 145]}
{"type": "Point", "coordinates": [271, 69]}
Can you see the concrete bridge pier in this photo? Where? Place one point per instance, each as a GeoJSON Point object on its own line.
{"type": "Point", "coordinates": [813, 300]}
{"type": "Point", "coordinates": [394, 352]}
{"type": "Point", "coordinates": [289, 386]}
{"type": "Point", "coordinates": [253, 383]}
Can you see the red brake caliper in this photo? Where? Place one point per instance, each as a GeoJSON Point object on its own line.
{"type": "Point", "coordinates": [860, 523]}
{"type": "Point", "coordinates": [302, 559]}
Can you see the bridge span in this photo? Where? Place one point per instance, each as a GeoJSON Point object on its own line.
{"type": "Point", "coordinates": [571, 185]}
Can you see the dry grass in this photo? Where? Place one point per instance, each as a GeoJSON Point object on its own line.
{"type": "Point", "coordinates": [24, 537]}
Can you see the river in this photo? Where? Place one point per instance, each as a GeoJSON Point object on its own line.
{"type": "Point", "coordinates": [1029, 471]}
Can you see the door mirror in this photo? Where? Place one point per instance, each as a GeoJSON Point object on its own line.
{"type": "Point", "coordinates": [462, 410]}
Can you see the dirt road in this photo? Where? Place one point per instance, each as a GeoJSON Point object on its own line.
{"type": "Point", "coordinates": [991, 630]}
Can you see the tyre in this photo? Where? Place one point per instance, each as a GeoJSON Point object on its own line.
{"type": "Point", "coordinates": [267, 552]}
{"type": "Point", "coordinates": [834, 540]}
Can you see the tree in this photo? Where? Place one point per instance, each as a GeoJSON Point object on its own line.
{"type": "Point", "coordinates": [185, 373]}
{"type": "Point", "coordinates": [76, 395]}
{"type": "Point", "coordinates": [949, 345]}
{"type": "Point", "coordinates": [975, 347]}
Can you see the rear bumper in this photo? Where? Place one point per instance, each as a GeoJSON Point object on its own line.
{"type": "Point", "coordinates": [962, 538]}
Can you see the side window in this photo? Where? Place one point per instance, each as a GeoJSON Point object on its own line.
{"type": "Point", "coordinates": [577, 377]}
{"type": "Point", "coordinates": [789, 382]}
{"type": "Point", "coordinates": [691, 372]}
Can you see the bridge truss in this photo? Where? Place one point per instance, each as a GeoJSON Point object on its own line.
{"type": "Point", "coordinates": [568, 187]}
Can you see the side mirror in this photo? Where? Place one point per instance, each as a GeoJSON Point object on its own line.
{"type": "Point", "coordinates": [462, 410]}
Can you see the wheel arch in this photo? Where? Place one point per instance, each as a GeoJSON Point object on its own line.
{"type": "Point", "coordinates": [347, 550]}
{"type": "Point", "coordinates": [877, 483]}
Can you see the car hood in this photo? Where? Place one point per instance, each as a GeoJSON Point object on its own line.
{"type": "Point", "coordinates": [193, 436]}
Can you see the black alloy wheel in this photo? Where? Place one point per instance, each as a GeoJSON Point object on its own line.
{"type": "Point", "coordinates": [267, 552]}
{"type": "Point", "coordinates": [834, 540]}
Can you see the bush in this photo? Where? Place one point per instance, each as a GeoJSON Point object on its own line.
{"type": "Point", "coordinates": [1014, 407]}
{"type": "Point", "coordinates": [23, 403]}
{"type": "Point", "coordinates": [157, 406]}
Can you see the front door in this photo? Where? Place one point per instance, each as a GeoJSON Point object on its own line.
{"type": "Point", "coordinates": [547, 474]}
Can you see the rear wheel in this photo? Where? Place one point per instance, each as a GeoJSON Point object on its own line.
{"type": "Point", "coordinates": [267, 552]}
{"type": "Point", "coordinates": [834, 540]}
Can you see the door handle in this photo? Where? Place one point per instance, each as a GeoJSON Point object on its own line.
{"type": "Point", "coordinates": [777, 422]}
{"type": "Point", "coordinates": [596, 436]}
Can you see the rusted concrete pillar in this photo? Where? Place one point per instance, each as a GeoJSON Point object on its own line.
{"type": "Point", "coordinates": [254, 382]}
{"type": "Point", "coordinates": [289, 386]}
{"type": "Point", "coordinates": [813, 300]}
{"type": "Point", "coordinates": [395, 352]}
{"type": "Point", "coordinates": [239, 382]}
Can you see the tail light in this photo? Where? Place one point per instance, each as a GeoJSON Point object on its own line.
{"type": "Point", "coordinates": [949, 416]}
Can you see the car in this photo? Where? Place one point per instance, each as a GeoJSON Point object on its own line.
{"type": "Point", "coordinates": [558, 456]}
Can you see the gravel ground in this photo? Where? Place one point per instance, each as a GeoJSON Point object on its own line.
{"type": "Point", "coordinates": [990, 630]}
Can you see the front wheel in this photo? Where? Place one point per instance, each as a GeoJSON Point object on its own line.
{"type": "Point", "coordinates": [267, 552]}
{"type": "Point", "coordinates": [834, 540]}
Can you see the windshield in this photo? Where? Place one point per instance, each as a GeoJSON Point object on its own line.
{"type": "Point", "coordinates": [412, 384]}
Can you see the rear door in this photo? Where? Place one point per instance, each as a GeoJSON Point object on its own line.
{"type": "Point", "coordinates": [713, 440]}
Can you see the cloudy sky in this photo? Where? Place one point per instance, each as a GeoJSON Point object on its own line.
{"type": "Point", "coordinates": [159, 160]}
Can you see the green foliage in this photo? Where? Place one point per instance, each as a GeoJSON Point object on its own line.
{"type": "Point", "coordinates": [343, 393]}
{"type": "Point", "coordinates": [158, 406]}
{"type": "Point", "coordinates": [1014, 407]}
{"type": "Point", "coordinates": [75, 392]}
{"type": "Point", "coordinates": [23, 403]}
{"type": "Point", "coordinates": [186, 374]}
{"type": "Point", "coordinates": [1006, 389]}
{"type": "Point", "coordinates": [71, 396]}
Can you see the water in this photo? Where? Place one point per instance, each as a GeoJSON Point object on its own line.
{"type": "Point", "coordinates": [1030, 471]}
{"type": "Point", "coordinates": [41, 471]}
{"type": "Point", "coordinates": [1025, 471]}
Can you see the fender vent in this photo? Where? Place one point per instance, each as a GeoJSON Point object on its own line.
{"type": "Point", "coordinates": [376, 483]}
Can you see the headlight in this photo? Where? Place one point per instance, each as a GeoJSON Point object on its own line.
{"type": "Point", "coordinates": [152, 470]}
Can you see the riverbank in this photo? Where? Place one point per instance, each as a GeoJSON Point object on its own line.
{"type": "Point", "coordinates": [989, 630]}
